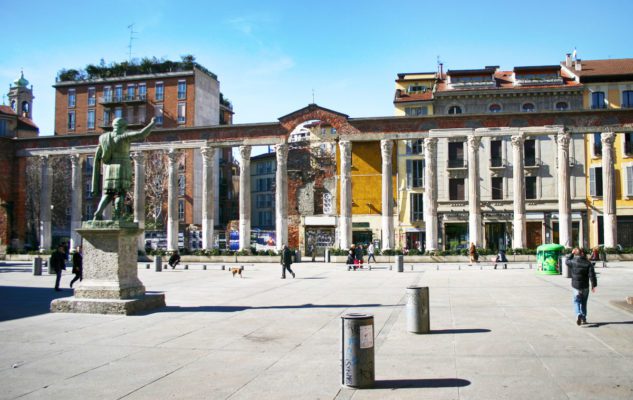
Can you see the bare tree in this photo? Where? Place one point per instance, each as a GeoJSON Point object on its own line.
{"type": "Point", "coordinates": [155, 186]}
{"type": "Point", "coordinates": [32, 201]}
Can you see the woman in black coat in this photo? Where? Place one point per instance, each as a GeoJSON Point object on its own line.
{"type": "Point", "coordinates": [78, 266]}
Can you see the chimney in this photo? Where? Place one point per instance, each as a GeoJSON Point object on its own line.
{"type": "Point", "coordinates": [441, 70]}
{"type": "Point", "coordinates": [578, 65]}
{"type": "Point", "coordinates": [568, 60]}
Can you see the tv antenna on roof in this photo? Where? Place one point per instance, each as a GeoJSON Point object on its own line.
{"type": "Point", "coordinates": [132, 37]}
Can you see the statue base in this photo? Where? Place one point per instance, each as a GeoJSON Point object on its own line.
{"type": "Point", "coordinates": [110, 284]}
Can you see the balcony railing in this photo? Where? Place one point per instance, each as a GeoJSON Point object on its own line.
{"type": "Point", "coordinates": [110, 100]}
{"type": "Point", "coordinates": [136, 98]}
{"type": "Point", "coordinates": [456, 163]}
{"type": "Point", "coordinates": [598, 106]}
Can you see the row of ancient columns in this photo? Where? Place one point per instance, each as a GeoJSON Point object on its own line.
{"type": "Point", "coordinates": [345, 220]}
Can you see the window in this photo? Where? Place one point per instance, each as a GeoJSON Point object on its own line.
{"type": "Point", "coordinates": [597, 144]}
{"type": "Point", "coordinates": [91, 119]}
{"type": "Point", "coordinates": [182, 90]}
{"type": "Point", "coordinates": [264, 184]}
{"type": "Point", "coordinates": [628, 170]}
{"type": "Point", "coordinates": [181, 209]}
{"type": "Point", "coordinates": [528, 107]}
{"type": "Point", "coordinates": [118, 93]}
{"type": "Point", "coordinates": [142, 91]}
{"type": "Point", "coordinates": [494, 108]}
{"type": "Point", "coordinates": [529, 149]}
{"type": "Point", "coordinates": [71, 120]}
{"type": "Point", "coordinates": [181, 184]}
{"type": "Point", "coordinates": [264, 168]}
{"type": "Point", "coordinates": [265, 218]}
{"type": "Point", "coordinates": [415, 111]}
{"type": "Point", "coordinates": [627, 99]}
{"type": "Point", "coordinates": [496, 187]}
{"type": "Point", "coordinates": [107, 94]}
{"type": "Point", "coordinates": [456, 189]}
{"type": "Point", "coordinates": [72, 98]}
{"type": "Point", "coordinates": [131, 89]}
{"type": "Point", "coordinates": [88, 191]}
{"type": "Point", "coordinates": [456, 154]}
{"type": "Point", "coordinates": [595, 181]}
{"type": "Point", "coordinates": [158, 114]}
{"type": "Point", "coordinates": [628, 144]}
{"type": "Point", "coordinates": [90, 160]}
{"type": "Point", "coordinates": [14, 106]}
{"type": "Point", "coordinates": [25, 108]}
{"type": "Point", "coordinates": [417, 209]}
{"type": "Point", "coordinates": [415, 173]}
{"type": "Point", "coordinates": [160, 91]}
{"type": "Point", "coordinates": [92, 96]}
{"type": "Point", "coordinates": [89, 212]}
{"type": "Point", "coordinates": [562, 106]}
{"type": "Point", "coordinates": [597, 100]}
{"type": "Point", "coordinates": [416, 89]}
{"type": "Point", "coordinates": [182, 113]}
{"type": "Point", "coordinates": [414, 146]}
{"type": "Point", "coordinates": [327, 203]}
{"type": "Point", "coordinates": [264, 200]}
{"type": "Point", "coordinates": [4, 127]}
{"type": "Point", "coordinates": [496, 159]}
{"type": "Point", "coordinates": [118, 112]}
{"type": "Point", "coordinates": [530, 187]}
{"type": "Point", "coordinates": [107, 117]}
{"type": "Point", "coordinates": [454, 110]}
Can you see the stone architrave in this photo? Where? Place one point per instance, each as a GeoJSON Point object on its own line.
{"type": "Point", "coordinates": [281, 196]}
{"type": "Point", "coordinates": [208, 199]}
{"type": "Point", "coordinates": [345, 223]}
{"type": "Point", "coordinates": [564, 195]}
{"type": "Point", "coordinates": [46, 191]}
{"type": "Point", "coordinates": [518, 185]}
{"type": "Point", "coordinates": [386, 147]}
{"type": "Point", "coordinates": [430, 193]}
{"type": "Point", "coordinates": [139, 196]}
{"type": "Point", "coordinates": [245, 198]}
{"type": "Point", "coordinates": [609, 190]}
{"type": "Point", "coordinates": [172, 200]}
{"type": "Point", "coordinates": [474, 192]}
{"type": "Point", "coordinates": [75, 200]}
{"type": "Point", "coordinates": [110, 284]}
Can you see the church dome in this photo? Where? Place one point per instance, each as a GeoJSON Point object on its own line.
{"type": "Point", "coordinates": [21, 82]}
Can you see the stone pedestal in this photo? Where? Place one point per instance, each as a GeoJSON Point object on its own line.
{"type": "Point", "coordinates": [111, 284]}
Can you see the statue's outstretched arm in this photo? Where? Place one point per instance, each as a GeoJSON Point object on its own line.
{"type": "Point", "coordinates": [142, 134]}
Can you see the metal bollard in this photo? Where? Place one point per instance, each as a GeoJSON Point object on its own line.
{"type": "Point", "coordinates": [158, 264]}
{"type": "Point", "coordinates": [400, 263]}
{"type": "Point", "coordinates": [223, 268]}
{"type": "Point", "coordinates": [565, 270]}
{"type": "Point", "coordinates": [437, 267]}
{"type": "Point", "coordinates": [49, 267]}
{"type": "Point", "coordinates": [186, 266]}
{"type": "Point", "coordinates": [357, 347]}
{"type": "Point", "coordinates": [369, 266]}
{"type": "Point", "coordinates": [204, 267]}
{"type": "Point", "coordinates": [390, 267]}
{"type": "Point", "coordinates": [411, 267]}
{"type": "Point", "coordinates": [147, 266]}
{"type": "Point", "coordinates": [37, 266]}
{"type": "Point", "coordinates": [417, 307]}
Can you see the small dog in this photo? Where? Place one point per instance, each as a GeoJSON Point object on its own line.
{"type": "Point", "coordinates": [237, 270]}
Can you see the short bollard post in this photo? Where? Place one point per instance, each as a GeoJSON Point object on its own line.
{"type": "Point", "coordinates": [158, 264]}
{"type": "Point", "coordinates": [357, 346]}
{"type": "Point", "coordinates": [223, 268]}
{"type": "Point", "coordinates": [418, 309]}
{"type": "Point", "coordinates": [565, 270]}
{"type": "Point", "coordinates": [400, 263]}
{"type": "Point", "coordinates": [411, 267]}
{"type": "Point", "coordinates": [390, 267]}
{"type": "Point", "coordinates": [147, 266]}
{"type": "Point", "coordinates": [204, 267]}
{"type": "Point", "coordinates": [369, 266]}
{"type": "Point", "coordinates": [37, 266]}
{"type": "Point", "coordinates": [186, 266]}
{"type": "Point", "coordinates": [49, 267]}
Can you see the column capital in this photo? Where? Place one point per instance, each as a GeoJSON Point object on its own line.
{"type": "Point", "coordinates": [44, 158]}
{"type": "Point", "coordinates": [563, 139]}
{"type": "Point", "coordinates": [607, 138]}
{"type": "Point", "coordinates": [208, 153]}
{"type": "Point", "coordinates": [473, 142]}
{"type": "Point", "coordinates": [281, 153]}
{"type": "Point", "coordinates": [138, 156]}
{"type": "Point", "coordinates": [386, 148]}
{"type": "Point", "coordinates": [245, 152]}
{"type": "Point", "coordinates": [430, 144]}
{"type": "Point", "coordinates": [74, 159]}
{"type": "Point", "coordinates": [518, 140]}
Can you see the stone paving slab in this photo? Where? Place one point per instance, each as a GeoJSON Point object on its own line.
{"type": "Point", "coordinates": [496, 334]}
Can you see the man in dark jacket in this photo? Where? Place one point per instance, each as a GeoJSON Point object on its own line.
{"type": "Point", "coordinates": [582, 274]}
{"type": "Point", "coordinates": [286, 260]}
{"type": "Point", "coordinates": [58, 263]}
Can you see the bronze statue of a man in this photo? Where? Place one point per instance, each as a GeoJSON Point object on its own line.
{"type": "Point", "coordinates": [113, 152]}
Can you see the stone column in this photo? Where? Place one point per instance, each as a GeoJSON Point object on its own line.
{"type": "Point", "coordinates": [564, 194]}
{"type": "Point", "coordinates": [281, 196]}
{"type": "Point", "coordinates": [474, 192]}
{"type": "Point", "coordinates": [430, 193]}
{"type": "Point", "coordinates": [172, 200]}
{"type": "Point", "coordinates": [245, 198]}
{"type": "Point", "coordinates": [518, 184]}
{"type": "Point", "coordinates": [608, 191]}
{"type": "Point", "coordinates": [139, 196]}
{"type": "Point", "coordinates": [386, 147]}
{"type": "Point", "coordinates": [75, 200]}
{"type": "Point", "coordinates": [208, 200]}
{"type": "Point", "coordinates": [46, 191]}
{"type": "Point", "coordinates": [345, 223]}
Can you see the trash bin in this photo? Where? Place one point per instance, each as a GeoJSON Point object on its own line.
{"type": "Point", "coordinates": [158, 263]}
{"type": "Point", "coordinates": [418, 316]}
{"type": "Point", "coordinates": [37, 266]}
{"type": "Point", "coordinates": [357, 360]}
{"type": "Point", "coordinates": [400, 263]}
{"type": "Point", "coordinates": [547, 258]}
{"type": "Point", "coordinates": [566, 271]}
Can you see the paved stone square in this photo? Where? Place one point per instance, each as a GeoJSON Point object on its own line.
{"type": "Point", "coordinates": [496, 334]}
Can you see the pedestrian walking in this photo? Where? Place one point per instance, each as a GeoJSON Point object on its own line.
{"type": "Point", "coordinates": [595, 254]}
{"type": "Point", "coordinates": [174, 259]}
{"type": "Point", "coordinates": [351, 260]}
{"type": "Point", "coordinates": [286, 261]}
{"type": "Point", "coordinates": [312, 251]}
{"type": "Point", "coordinates": [501, 258]}
{"type": "Point", "coordinates": [358, 253]}
{"type": "Point", "coordinates": [58, 263]}
{"type": "Point", "coordinates": [78, 266]}
{"type": "Point", "coordinates": [583, 276]}
{"type": "Point", "coordinates": [370, 253]}
{"type": "Point", "coordinates": [472, 252]}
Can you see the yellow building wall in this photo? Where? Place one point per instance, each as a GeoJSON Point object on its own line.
{"type": "Point", "coordinates": [400, 108]}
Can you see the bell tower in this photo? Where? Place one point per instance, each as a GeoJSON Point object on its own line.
{"type": "Point", "coordinates": [21, 97]}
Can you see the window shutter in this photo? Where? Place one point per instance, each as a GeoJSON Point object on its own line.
{"type": "Point", "coordinates": [411, 207]}
{"type": "Point", "coordinates": [408, 147]}
{"type": "Point", "coordinates": [423, 172]}
{"type": "Point", "coordinates": [629, 180]}
{"type": "Point", "coordinates": [592, 182]}
{"type": "Point", "coordinates": [409, 173]}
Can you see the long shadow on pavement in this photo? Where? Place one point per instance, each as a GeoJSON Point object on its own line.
{"type": "Point", "coordinates": [451, 331]}
{"type": "Point", "coordinates": [599, 324]}
{"type": "Point", "coordinates": [242, 308]}
{"type": "Point", "coordinates": [20, 302]}
{"type": "Point", "coordinates": [420, 383]}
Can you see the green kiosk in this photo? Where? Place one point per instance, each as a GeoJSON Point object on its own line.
{"type": "Point", "coordinates": [547, 258]}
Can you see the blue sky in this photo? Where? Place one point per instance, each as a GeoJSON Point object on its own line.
{"type": "Point", "coordinates": [270, 55]}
